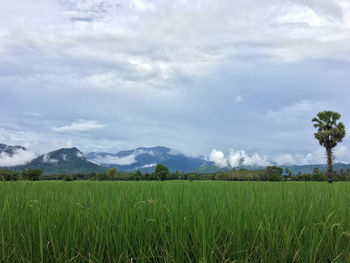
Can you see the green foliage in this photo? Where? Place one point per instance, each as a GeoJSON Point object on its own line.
{"type": "Point", "coordinates": [8, 175]}
{"type": "Point", "coordinates": [232, 175]}
{"type": "Point", "coordinates": [191, 177]}
{"type": "Point", "coordinates": [138, 175]}
{"type": "Point", "coordinates": [329, 133]}
{"type": "Point", "coordinates": [289, 173]}
{"type": "Point", "coordinates": [180, 221]}
{"type": "Point", "coordinates": [161, 172]}
{"type": "Point", "coordinates": [112, 173]}
{"type": "Point", "coordinates": [68, 178]}
{"type": "Point", "coordinates": [274, 173]}
{"type": "Point", "coordinates": [318, 175]}
{"type": "Point", "coordinates": [32, 174]}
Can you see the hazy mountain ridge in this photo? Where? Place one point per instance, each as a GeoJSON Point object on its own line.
{"type": "Point", "coordinates": [72, 160]}
{"type": "Point", "coordinates": [295, 169]}
{"type": "Point", "coordinates": [146, 158]}
{"type": "Point", "coordinates": [308, 169]}
{"type": "Point", "coordinates": [65, 160]}
{"type": "Point", "coordinates": [10, 150]}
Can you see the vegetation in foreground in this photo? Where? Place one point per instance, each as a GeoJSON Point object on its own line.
{"type": "Point", "coordinates": [178, 221]}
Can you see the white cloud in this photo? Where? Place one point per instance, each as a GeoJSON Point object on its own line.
{"type": "Point", "coordinates": [125, 160]}
{"type": "Point", "coordinates": [149, 165]}
{"type": "Point", "coordinates": [296, 13]}
{"type": "Point", "coordinates": [218, 157]}
{"type": "Point", "coordinates": [285, 159]}
{"type": "Point", "coordinates": [111, 159]}
{"type": "Point", "coordinates": [47, 159]}
{"type": "Point", "coordinates": [241, 158]}
{"type": "Point", "coordinates": [237, 158]}
{"type": "Point", "coordinates": [64, 157]}
{"type": "Point", "coordinates": [80, 155]}
{"type": "Point", "coordinates": [34, 114]}
{"type": "Point", "coordinates": [318, 156]}
{"type": "Point", "coordinates": [20, 157]}
{"type": "Point", "coordinates": [80, 126]}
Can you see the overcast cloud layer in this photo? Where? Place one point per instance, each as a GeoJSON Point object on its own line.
{"type": "Point", "coordinates": [194, 75]}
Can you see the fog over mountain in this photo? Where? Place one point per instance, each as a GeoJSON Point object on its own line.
{"type": "Point", "coordinates": [14, 155]}
{"type": "Point", "coordinates": [61, 161]}
{"type": "Point", "coordinates": [72, 160]}
{"type": "Point", "coordinates": [146, 159]}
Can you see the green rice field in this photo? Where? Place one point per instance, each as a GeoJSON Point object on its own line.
{"type": "Point", "coordinates": [174, 221]}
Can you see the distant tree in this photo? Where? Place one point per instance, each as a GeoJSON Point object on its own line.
{"type": "Point", "coordinates": [347, 175]}
{"type": "Point", "coordinates": [191, 177]}
{"type": "Point", "coordinates": [342, 175]}
{"type": "Point", "coordinates": [147, 176]}
{"type": "Point", "coordinates": [329, 134]}
{"type": "Point", "coordinates": [161, 172]}
{"type": "Point", "coordinates": [317, 175]}
{"type": "Point", "coordinates": [68, 178]}
{"type": "Point", "coordinates": [8, 175]}
{"type": "Point", "coordinates": [138, 175]}
{"type": "Point", "coordinates": [112, 173]}
{"type": "Point", "coordinates": [101, 176]}
{"type": "Point", "coordinates": [300, 176]}
{"type": "Point", "coordinates": [32, 174]}
{"type": "Point", "coordinates": [289, 173]}
{"type": "Point", "coordinates": [91, 176]}
{"type": "Point", "coordinates": [274, 173]}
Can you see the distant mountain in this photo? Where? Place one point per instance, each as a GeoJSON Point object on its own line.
{"type": "Point", "coordinates": [214, 169]}
{"type": "Point", "coordinates": [295, 169]}
{"type": "Point", "coordinates": [146, 158]}
{"type": "Point", "coordinates": [72, 160]}
{"type": "Point", "coordinates": [66, 160]}
{"type": "Point", "coordinates": [308, 169]}
{"type": "Point", "coordinates": [10, 150]}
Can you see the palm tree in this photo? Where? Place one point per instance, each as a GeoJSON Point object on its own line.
{"type": "Point", "coordinates": [329, 133]}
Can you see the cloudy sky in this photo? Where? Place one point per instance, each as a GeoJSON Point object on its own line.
{"type": "Point", "coordinates": [219, 78]}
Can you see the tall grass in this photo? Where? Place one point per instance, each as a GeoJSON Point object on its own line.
{"type": "Point", "coordinates": [174, 222]}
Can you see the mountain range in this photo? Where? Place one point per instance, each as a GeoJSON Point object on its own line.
{"type": "Point", "coordinates": [146, 159]}
{"type": "Point", "coordinates": [62, 161]}
{"type": "Point", "coordinates": [295, 169]}
{"type": "Point", "coordinates": [72, 160]}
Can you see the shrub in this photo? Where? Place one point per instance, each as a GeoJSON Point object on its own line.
{"type": "Point", "coordinates": [68, 178]}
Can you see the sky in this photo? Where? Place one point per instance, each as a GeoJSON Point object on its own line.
{"type": "Point", "coordinates": [218, 78]}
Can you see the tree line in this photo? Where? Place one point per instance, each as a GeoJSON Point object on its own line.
{"type": "Point", "coordinates": [161, 173]}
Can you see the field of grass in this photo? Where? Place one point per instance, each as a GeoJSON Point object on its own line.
{"type": "Point", "coordinates": [180, 221]}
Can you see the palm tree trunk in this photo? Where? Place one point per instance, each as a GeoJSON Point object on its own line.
{"type": "Point", "coordinates": [329, 163]}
